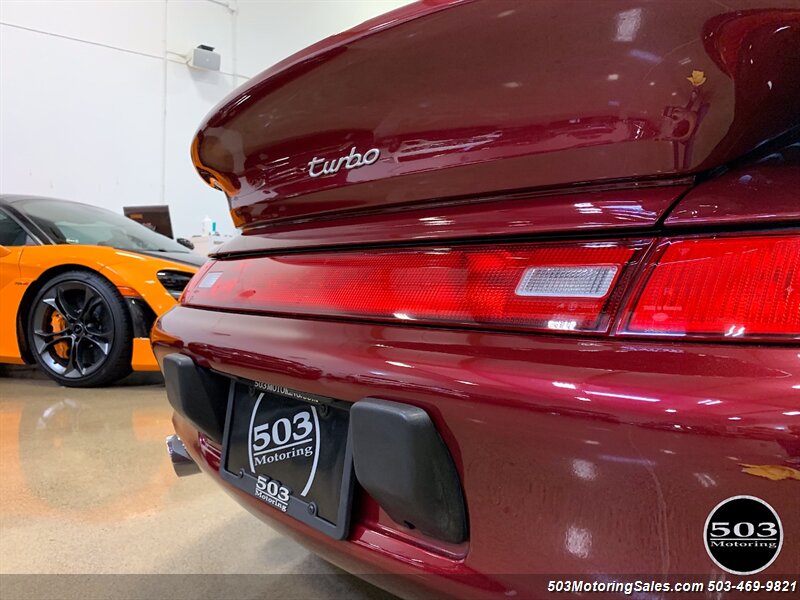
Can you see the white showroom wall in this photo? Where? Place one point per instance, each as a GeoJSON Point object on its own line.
{"type": "Point", "coordinates": [98, 105]}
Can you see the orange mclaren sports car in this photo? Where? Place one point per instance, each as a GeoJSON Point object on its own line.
{"type": "Point", "coordinates": [80, 287]}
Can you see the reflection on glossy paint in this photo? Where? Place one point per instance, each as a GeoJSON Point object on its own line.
{"type": "Point", "coordinates": [399, 364]}
{"type": "Point", "coordinates": [645, 56]}
{"type": "Point", "coordinates": [735, 331]}
{"type": "Point", "coordinates": [627, 460]}
{"type": "Point", "coordinates": [705, 479]}
{"type": "Point", "coordinates": [565, 385]}
{"type": "Point", "coordinates": [771, 472]}
{"type": "Point", "coordinates": [628, 23]}
{"type": "Point", "coordinates": [578, 541]}
{"type": "Point", "coordinates": [129, 255]}
{"type": "Point", "coordinates": [435, 221]}
{"type": "Point", "coordinates": [584, 469]}
{"type": "Point", "coordinates": [623, 396]}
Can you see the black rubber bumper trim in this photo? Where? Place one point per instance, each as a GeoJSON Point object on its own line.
{"type": "Point", "coordinates": [403, 463]}
{"type": "Point", "coordinates": [198, 395]}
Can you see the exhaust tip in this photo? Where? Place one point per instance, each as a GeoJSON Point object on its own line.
{"type": "Point", "coordinates": [182, 463]}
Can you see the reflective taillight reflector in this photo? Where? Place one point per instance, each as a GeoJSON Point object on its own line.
{"type": "Point", "coordinates": [567, 282]}
{"type": "Point", "coordinates": [564, 287]}
{"type": "Point", "coordinates": [724, 287]}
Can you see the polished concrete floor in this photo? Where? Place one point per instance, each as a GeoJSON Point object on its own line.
{"type": "Point", "coordinates": [86, 487]}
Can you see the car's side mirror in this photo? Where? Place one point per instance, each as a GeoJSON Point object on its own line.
{"type": "Point", "coordinates": [185, 242]}
{"type": "Point", "coordinates": [4, 251]}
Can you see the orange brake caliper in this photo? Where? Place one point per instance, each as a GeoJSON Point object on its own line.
{"type": "Point", "coordinates": [57, 323]}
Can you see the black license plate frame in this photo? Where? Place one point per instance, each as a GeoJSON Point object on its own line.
{"type": "Point", "coordinates": [330, 439]}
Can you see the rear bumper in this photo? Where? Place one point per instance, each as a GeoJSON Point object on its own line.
{"type": "Point", "coordinates": [576, 455]}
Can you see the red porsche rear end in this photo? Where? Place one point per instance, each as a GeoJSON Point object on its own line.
{"type": "Point", "coordinates": [517, 295]}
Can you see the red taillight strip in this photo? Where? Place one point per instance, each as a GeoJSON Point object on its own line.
{"type": "Point", "coordinates": [725, 287]}
{"type": "Point", "coordinates": [554, 286]}
{"type": "Point", "coordinates": [734, 287]}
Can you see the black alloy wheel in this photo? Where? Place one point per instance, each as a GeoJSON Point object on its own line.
{"type": "Point", "coordinates": [79, 330]}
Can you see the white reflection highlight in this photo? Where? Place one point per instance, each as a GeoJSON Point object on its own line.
{"type": "Point", "coordinates": [735, 331]}
{"type": "Point", "coordinates": [128, 255]}
{"type": "Point", "coordinates": [578, 541]}
{"type": "Point", "coordinates": [436, 221]}
{"type": "Point", "coordinates": [562, 384]}
{"type": "Point", "coordinates": [705, 479]}
{"type": "Point", "coordinates": [624, 396]}
{"type": "Point", "coordinates": [628, 23]}
{"type": "Point", "coordinates": [583, 469]}
{"type": "Point", "coordinates": [627, 460]}
{"type": "Point", "coordinates": [398, 364]}
{"type": "Point", "coordinates": [645, 56]}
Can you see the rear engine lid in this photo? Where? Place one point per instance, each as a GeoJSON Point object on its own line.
{"type": "Point", "coordinates": [463, 99]}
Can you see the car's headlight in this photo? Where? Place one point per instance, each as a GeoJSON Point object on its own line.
{"type": "Point", "coordinates": [174, 281]}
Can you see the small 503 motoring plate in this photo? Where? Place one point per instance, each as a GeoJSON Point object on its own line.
{"type": "Point", "coordinates": [291, 450]}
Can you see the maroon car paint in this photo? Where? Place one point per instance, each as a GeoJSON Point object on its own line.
{"type": "Point", "coordinates": [504, 95]}
{"type": "Point", "coordinates": [524, 120]}
{"type": "Point", "coordinates": [764, 193]}
{"type": "Point", "coordinates": [523, 215]}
